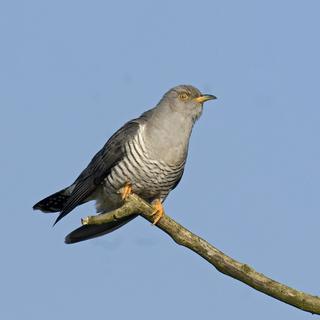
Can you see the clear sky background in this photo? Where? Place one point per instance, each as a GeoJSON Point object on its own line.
{"type": "Point", "coordinates": [72, 72]}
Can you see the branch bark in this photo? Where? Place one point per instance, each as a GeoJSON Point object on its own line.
{"type": "Point", "coordinates": [223, 263]}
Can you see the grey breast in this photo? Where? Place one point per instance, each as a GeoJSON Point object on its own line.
{"type": "Point", "coordinates": [151, 177]}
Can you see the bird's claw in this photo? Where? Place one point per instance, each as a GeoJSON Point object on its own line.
{"type": "Point", "coordinates": [126, 191]}
{"type": "Point", "coordinates": [158, 212]}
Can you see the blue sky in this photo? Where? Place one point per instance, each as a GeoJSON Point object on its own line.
{"type": "Point", "coordinates": [72, 72]}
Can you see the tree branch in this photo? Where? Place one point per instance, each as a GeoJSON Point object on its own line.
{"type": "Point", "coordinates": [223, 263]}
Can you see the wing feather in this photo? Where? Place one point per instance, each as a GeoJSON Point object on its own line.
{"type": "Point", "coordinates": [100, 166]}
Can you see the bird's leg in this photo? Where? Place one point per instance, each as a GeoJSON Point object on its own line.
{"type": "Point", "coordinates": [158, 212]}
{"type": "Point", "coordinates": [125, 191]}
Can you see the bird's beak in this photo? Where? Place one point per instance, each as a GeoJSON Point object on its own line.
{"type": "Point", "coordinates": [205, 97]}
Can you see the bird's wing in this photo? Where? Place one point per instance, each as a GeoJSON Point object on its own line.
{"type": "Point", "coordinates": [100, 166]}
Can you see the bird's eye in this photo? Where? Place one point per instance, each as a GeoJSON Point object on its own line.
{"type": "Point", "coordinates": [183, 96]}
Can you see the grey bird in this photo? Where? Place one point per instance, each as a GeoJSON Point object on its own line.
{"type": "Point", "coordinates": [146, 156]}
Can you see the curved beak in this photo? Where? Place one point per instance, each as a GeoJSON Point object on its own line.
{"type": "Point", "coordinates": [205, 97]}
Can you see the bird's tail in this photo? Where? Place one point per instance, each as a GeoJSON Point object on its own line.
{"type": "Point", "coordinates": [55, 202]}
{"type": "Point", "coordinates": [87, 232]}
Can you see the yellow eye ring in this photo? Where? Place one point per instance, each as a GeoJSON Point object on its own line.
{"type": "Point", "coordinates": [183, 96]}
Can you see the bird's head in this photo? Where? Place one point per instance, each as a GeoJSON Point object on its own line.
{"type": "Point", "coordinates": [186, 100]}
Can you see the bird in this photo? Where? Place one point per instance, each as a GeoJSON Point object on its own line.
{"type": "Point", "coordinates": [146, 156]}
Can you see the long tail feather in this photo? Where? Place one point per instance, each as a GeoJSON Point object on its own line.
{"type": "Point", "coordinates": [54, 202]}
{"type": "Point", "coordinates": [92, 231]}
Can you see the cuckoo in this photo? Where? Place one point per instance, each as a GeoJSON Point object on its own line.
{"type": "Point", "coordinates": [146, 156]}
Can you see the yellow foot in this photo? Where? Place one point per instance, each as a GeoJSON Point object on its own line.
{"type": "Point", "coordinates": [125, 191]}
{"type": "Point", "coordinates": [158, 212]}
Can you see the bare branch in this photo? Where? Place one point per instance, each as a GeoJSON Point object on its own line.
{"type": "Point", "coordinates": [225, 264]}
